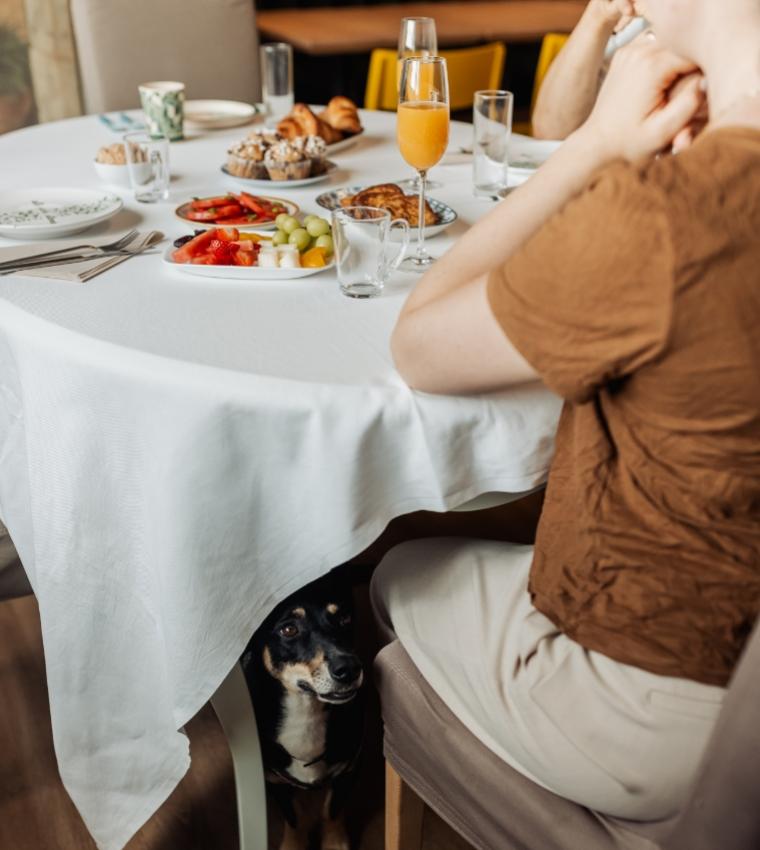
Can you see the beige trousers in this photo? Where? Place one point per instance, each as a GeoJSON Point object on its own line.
{"type": "Point", "coordinates": [603, 734]}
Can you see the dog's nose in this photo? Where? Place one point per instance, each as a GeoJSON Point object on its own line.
{"type": "Point", "coordinates": [345, 669]}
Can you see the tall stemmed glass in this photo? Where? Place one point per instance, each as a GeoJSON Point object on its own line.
{"type": "Point", "coordinates": [417, 37]}
{"type": "Point", "coordinates": [422, 130]}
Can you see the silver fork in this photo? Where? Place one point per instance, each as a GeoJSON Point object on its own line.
{"type": "Point", "coordinates": [116, 245]}
{"type": "Point", "coordinates": [148, 241]}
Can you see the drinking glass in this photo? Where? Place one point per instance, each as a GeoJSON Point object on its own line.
{"type": "Point", "coordinates": [416, 38]}
{"type": "Point", "coordinates": [277, 80]}
{"type": "Point", "coordinates": [361, 236]}
{"type": "Point", "coordinates": [148, 166]}
{"type": "Point", "coordinates": [491, 133]}
{"type": "Point", "coordinates": [164, 104]}
{"type": "Point", "coordinates": [422, 130]}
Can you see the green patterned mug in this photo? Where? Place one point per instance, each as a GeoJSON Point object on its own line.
{"type": "Point", "coordinates": [163, 104]}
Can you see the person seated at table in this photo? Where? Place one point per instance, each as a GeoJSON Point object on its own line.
{"type": "Point", "coordinates": [595, 662]}
{"type": "Point", "coordinates": [571, 86]}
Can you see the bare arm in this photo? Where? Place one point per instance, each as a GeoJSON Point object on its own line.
{"type": "Point", "coordinates": [447, 339]}
{"type": "Point", "coordinates": [569, 91]}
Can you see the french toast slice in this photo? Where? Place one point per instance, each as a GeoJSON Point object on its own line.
{"type": "Point", "coordinates": [390, 197]}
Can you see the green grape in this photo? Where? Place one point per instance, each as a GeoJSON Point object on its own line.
{"type": "Point", "coordinates": [308, 218]}
{"type": "Point", "coordinates": [300, 238]}
{"type": "Point", "coordinates": [280, 238]}
{"type": "Point", "coordinates": [318, 227]}
{"type": "Point", "coordinates": [324, 241]}
{"type": "Point", "coordinates": [289, 224]}
{"type": "Point", "coordinates": [280, 219]}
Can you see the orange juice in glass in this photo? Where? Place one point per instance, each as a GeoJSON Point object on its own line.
{"type": "Point", "coordinates": [422, 130]}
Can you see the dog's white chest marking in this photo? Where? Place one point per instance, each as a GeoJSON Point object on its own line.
{"type": "Point", "coordinates": [303, 733]}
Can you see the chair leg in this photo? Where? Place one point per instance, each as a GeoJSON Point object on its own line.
{"type": "Point", "coordinates": [403, 813]}
{"type": "Point", "coordinates": [232, 704]}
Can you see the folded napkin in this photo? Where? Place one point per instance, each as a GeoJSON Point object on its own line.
{"type": "Point", "coordinates": [83, 271]}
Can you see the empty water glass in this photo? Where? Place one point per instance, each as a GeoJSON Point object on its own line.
{"type": "Point", "coordinates": [148, 165]}
{"type": "Point", "coordinates": [277, 80]}
{"type": "Point", "coordinates": [492, 131]}
{"type": "Point", "coordinates": [361, 236]}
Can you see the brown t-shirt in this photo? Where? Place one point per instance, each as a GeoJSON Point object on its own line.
{"type": "Point", "coordinates": [639, 303]}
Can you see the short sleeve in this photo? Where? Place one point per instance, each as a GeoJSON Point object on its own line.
{"type": "Point", "coordinates": [588, 299]}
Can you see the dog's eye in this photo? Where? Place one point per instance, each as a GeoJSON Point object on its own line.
{"type": "Point", "coordinates": [288, 631]}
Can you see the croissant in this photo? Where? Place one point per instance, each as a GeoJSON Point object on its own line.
{"type": "Point", "coordinates": [303, 122]}
{"type": "Point", "coordinates": [342, 114]}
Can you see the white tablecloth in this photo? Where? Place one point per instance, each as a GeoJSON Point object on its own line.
{"type": "Point", "coordinates": [178, 454]}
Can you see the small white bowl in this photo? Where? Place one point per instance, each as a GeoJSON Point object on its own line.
{"type": "Point", "coordinates": [114, 175]}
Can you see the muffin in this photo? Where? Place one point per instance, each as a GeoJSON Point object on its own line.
{"type": "Point", "coordinates": [315, 149]}
{"type": "Point", "coordinates": [246, 158]}
{"type": "Point", "coordinates": [287, 161]}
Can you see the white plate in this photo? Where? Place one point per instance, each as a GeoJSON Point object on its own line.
{"type": "Point", "coordinates": [526, 154]}
{"type": "Point", "coordinates": [280, 184]}
{"type": "Point", "coordinates": [290, 208]}
{"type": "Point", "coordinates": [48, 213]}
{"type": "Point", "coordinates": [447, 216]}
{"type": "Point", "coordinates": [218, 114]}
{"type": "Point", "coordinates": [241, 272]}
{"type": "Point", "coordinates": [344, 143]}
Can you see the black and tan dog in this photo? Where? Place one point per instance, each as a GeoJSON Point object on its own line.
{"type": "Point", "coordinates": [305, 681]}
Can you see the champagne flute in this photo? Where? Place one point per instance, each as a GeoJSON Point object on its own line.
{"type": "Point", "coordinates": [422, 130]}
{"type": "Point", "coordinates": [417, 37]}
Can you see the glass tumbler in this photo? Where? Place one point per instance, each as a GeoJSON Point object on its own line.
{"type": "Point", "coordinates": [492, 132]}
{"type": "Point", "coordinates": [277, 80]}
{"type": "Point", "coordinates": [361, 236]}
{"type": "Point", "coordinates": [148, 166]}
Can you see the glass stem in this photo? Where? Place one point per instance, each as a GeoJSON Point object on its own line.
{"type": "Point", "coordinates": [421, 222]}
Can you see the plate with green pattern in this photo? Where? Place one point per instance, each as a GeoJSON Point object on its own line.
{"type": "Point", "coordinates": [49, 213]}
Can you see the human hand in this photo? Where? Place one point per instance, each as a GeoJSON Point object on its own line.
{"type": "Point", "coordinates": [640, 110]}
{"type": "Point", "coordinates": [686, 137]}
{"type": "Point", "coordinates": [616, 14]}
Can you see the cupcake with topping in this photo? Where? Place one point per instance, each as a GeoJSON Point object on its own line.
{"type": "Point", "coordinates": [287, 161]}
{"type": "Point", "coordinates": [246, 158]}
{"type": "Point", "coordinates": [315, 149]}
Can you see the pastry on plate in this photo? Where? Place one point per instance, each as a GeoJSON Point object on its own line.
{"type": "Point", "coordinates": [342, 114]}
{"type": "Point", "coordinates": [287, 161]}
{"type": "Point", "coordinates": [390, 197]}
{"type": "Point", "coordinates": [246, 158]}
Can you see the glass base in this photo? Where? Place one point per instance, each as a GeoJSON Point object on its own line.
{"type": "Point", "coordinates": [361, 290]}
{"type": "Point", "coordinates": [412, 185]}
{"type": "Point", "coordinates": [417, 263]}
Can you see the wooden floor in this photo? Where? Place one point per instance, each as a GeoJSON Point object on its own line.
{"type": "Point", "coordinates": [37, 814]}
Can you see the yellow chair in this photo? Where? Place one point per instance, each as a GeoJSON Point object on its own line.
{"type": "Point", "coordinates": [551, 45]}
{"type": "Point", "coordinates": [469, 69]}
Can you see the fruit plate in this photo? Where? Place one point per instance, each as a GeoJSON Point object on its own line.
{"type": "Point", "coordinates": [249, 273]}
{"type": "Point", "coordinates": [218, 114]}
{"type": "Point", "coordinates": [183, 209]}
{"type": "Point", "coordinates": [527, 154]}
{"type": "Point", "coordinates": [446, 215]}
{"type": "Point", "coordinates": [280, 184]}
{"type": "Point", "coordinates": [47, 213]}
{"type": "Point", "coordinates": [344, 143]}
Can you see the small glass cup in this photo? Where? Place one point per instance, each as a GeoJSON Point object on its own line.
{"type": "Point", "coordinates": [277, 80]}
{"type": "Point", "coordinates": [148, 165]}
{"type": "Point", "coordinates": [361, 236]}
{"type": "Point", "coordinates": [163, 104]}
{"type": "Point", "coordinates": [492, 131]}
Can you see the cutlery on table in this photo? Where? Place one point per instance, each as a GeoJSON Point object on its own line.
{"type": "Point", "coordinates": [116, 245]}
{"type": "Point", "coordinates": [122, 124]}
{"type": "Point", "coordinates": [148, 241]}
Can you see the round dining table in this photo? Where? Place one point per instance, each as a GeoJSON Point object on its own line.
{"type": "Point", "coordinates": [180, 453]}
